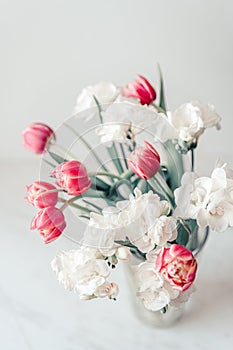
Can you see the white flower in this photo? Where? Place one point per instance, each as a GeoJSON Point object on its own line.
{"type": "Point", "coordinates": [164, 230]}
{"type": "Point", "coordinates": [130, 219]}
{"type": "Point", "coordinates": [192, 195]}
{"type": "Point", "coordinates": [152, 289]}
{"type": "Point", "coordinates": [107, 289]}
{"type": "Point", "coordinates": [191, 119]}
{"type": "Point", "coordinates": [183, 297]}
{"type": "Point", "coordinates": [123, 253]}
{"type": "Point", "coordinates": [208, 200]}
{"type": "Point", "coordinates": [83, 270]}
{"type": "Point", "coordinates": [219, 212]}
{"type": "Point", "coordinates": [124, 120]}
{"type": "Point", "coordinates": [103, 230]}
{"type": "Point", "coordinates": [104, 92]}
{"type": "Point", "coordinates": [138, 216]}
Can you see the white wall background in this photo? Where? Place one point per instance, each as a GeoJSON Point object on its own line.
{"type": "Point", "coordinates": [51, 49]}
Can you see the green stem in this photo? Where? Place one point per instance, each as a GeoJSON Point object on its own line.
{"type": "Point", "coordinates": [124, 156]}
{"type": "Point", "coordinates": [51, 164]}
{"type": "Point", "coordinates": [115, 158]}
{"type": "Point", "coordinates": [127, 175]}
{"type": "Point", "coordinates": [93, 205]}
{"type": "Point", "coordinates": [77, 206]}
{"type": "Point", "coordinates": [102, 173]}
{"type": "Point", "coordinates": [159, 109]}
{"type": "Point", "coordinates": [88, 146]}
{"type": "Point", "coordinates": [66, 153]}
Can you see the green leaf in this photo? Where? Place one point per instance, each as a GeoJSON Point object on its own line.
{"type": "Point", "coordinates": [143, 186]}
{"type": "Point", "coordinates": [126, 244]}
{"type": "Point", "coordinates": [99, 109]}
{"type": "Point", "coordinates": [57, 158]}
{"type": "Point", "coordinates": [183, 235]}
{"type": "Point", "coordinates": [97, 183]}
{"type": "Point", "coordinates": [162, 103]}
{"type": "Point", "coordinates": [174, 165]}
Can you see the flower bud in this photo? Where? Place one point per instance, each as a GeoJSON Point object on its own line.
{"type": "Point", "coordinates": [37, 136]}
{"type": "Point", "coordinates": [50, 222]}
{"type": "Point", "coordinates": [72, 177]}
{"type": "Point", "coordinates": [144, 161]}
{"type": "Point", "coordinates": [109, 289]}
{"type": "Point", "coordinates": [123, 253]}
{"type": "Point", "coordinates": [42, 194]}
{"type": "Point", "coordinates": [140, 89]}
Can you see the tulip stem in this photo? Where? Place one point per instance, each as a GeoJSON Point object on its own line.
{"type": "Point", "coordinates": [124, 156]}
{"type": "Point", "coordinates": [87, 145]}
{"type": "Point", "coordinates": [49, 163]}
{"type": "Point", "coordinates": [93, 205]}
{"type": "Point", "coordinates": [102, 173]}
{"type": "Point", "coordinates": [77, 206]}
{"type": "Point", "coordinates": [159, 109]}
{"type": "Point", "coordinates": [115, 158]}
{"type": "Point", "coordinates": [65, 152]}
{"type": "Point", "coordinates": [127, 175]}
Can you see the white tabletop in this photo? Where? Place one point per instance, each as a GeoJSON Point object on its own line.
{"type": "Point", "coordinates": [37, 313]}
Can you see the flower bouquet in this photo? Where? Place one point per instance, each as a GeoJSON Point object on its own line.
{"type": "Point", "coordinates": [122, 170]}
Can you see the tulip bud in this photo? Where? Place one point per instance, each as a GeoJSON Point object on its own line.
{"type": "Point", "coordinates": [50, 222]}
{"type": "Point", "coordinates": [42, 194]}
{"type": "Point", "coordinates": [37, 136]}
{"type": "Point", "coordinates": [72, 177]}
{"type": "Point", "coordinates": [140, 89]}
{"type": "Point", "coordinates": [144, 161]}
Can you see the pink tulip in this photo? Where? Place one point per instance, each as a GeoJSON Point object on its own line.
{"type": "Point", "coordinates": [42, 194]}
{"type": "Point", "coordinates": [141, 89]}
{"type": "Point", "coordinates": [50, 222]}
{"type": "Point", "coordinates": [72, 177]}
{"type": "Point", "coordinates": [144, 161]}
{"type": "Point", "coordinates": [37, 136]}
{"type": "Point", "coordinates": [178, 266]}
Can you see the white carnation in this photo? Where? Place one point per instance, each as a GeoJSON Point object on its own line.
{"type": "Point", "coordinates": [208, 200]}
{"type": "Point", "coordinates": [191, 119]}
{"type": "Point", "coordinates": [131, 219]}
{"type": "Point", "coordinates": [164, 230]}
{"type": "Point", "coordinates": [104, 92]}
{"type": "Point", "coordinates": [124, 120]}
{"type": "Point", "coordinates": [152, 289]}
{"type": "Point", "coordinates": [83, 270]}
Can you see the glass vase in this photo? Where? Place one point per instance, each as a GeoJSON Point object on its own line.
{"type": "Point", "coordinates": [158, 319]}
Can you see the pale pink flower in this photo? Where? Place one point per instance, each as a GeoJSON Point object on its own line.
{"type": "Point", "coordinates": [37, 136]}
{"type": "Point", "coordinates": [50, 222]}
{"type": "Point", "coordinates": [144, 161]}
{"type": "Point", "coordinates": [178, 266]}
{"type": "Point", "coordinates": [72, 177]}
{"type": "Point", "coordinates": [42, 194]}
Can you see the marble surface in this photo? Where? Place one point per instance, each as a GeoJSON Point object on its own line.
{"type": "Point", "coordinates": [37, 313]}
